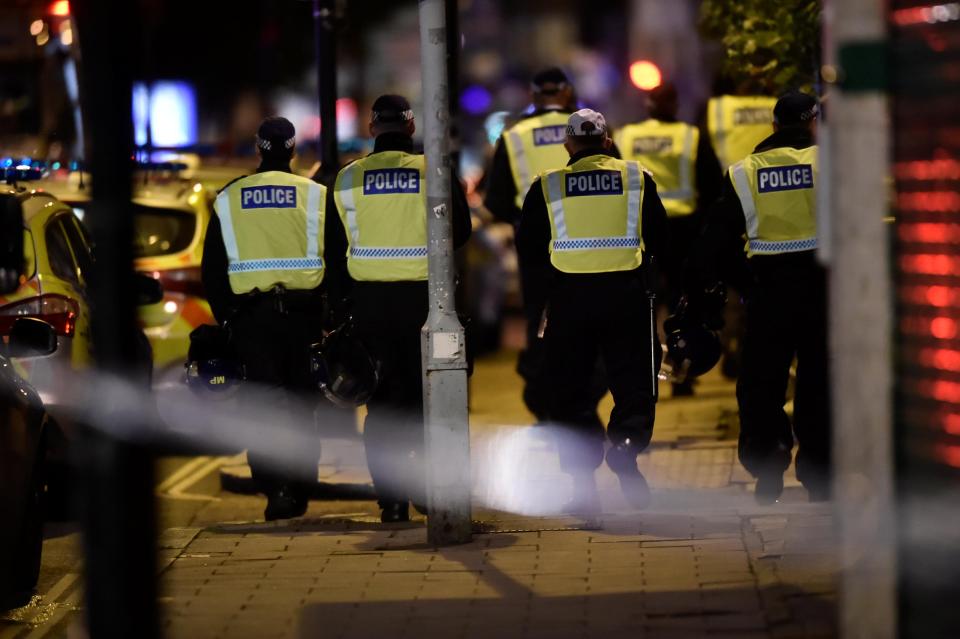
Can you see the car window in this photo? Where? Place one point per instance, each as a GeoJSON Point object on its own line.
{"type": "Point", "coordinates": [58, 251]}
{"type": "Point", "coordinates": [160, 231]}
{"type": "Point", "coordinates": [80, 243]}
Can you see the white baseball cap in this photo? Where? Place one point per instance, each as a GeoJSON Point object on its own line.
{"type": "Point", "coordinates": [586, 122]}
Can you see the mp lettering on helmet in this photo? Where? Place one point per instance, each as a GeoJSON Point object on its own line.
{"type": "Point", "coordinates": [550, 135]}
{"type": "Point", "coordinates": [784, 178]}
{"type": "Point", "coordinates": [268, 197]}
{"type": "Point", "coordinates": [386, 181]}
{"type": "Point", "coordinates": [594, 183]}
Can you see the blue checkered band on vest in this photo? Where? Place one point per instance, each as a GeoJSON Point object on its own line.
{"type": "Point", "coordinates": [388, 253]}
{"type": "Point", "coordinates": [789, 246]}
{"type": "Point", "coordinates": [280, 264]}
{"type": "Point", "coordinates": [596, 243]}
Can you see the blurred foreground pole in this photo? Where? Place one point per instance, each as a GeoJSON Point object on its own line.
{"type": "Point", "coordinates": [443, 344]}
{"type": "Point", "coordinates": [326, 41]}
{"type": "Point", "coordinates": [116, 478]}
{"type": "Point", "coordinates": [857, 153]}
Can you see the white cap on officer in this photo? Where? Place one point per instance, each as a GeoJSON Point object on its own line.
{"type": "Point", "coordinates": [586, 123]}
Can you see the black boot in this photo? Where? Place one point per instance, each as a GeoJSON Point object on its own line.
{"type": "Point", "coordinates": [394, 511]}
{"type": "Point", "coordinates": [285, 502]}
{"type": "Point", "coordinates": [622, 460]}
{"type": "Point", "coordinates": [769, 486]}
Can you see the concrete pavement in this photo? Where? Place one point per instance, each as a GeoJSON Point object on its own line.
{"type": "Point", "coordinates": [703, 561]}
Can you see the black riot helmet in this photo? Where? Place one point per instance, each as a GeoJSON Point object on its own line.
{"type": "Point", "coordinates": [693, 333]}
{"type": "Point", "coordinates": [213, 370]}
{"type": "Point", "coordinates": [343, 368]}
{"type": "Point", "coordinates": [692, 350]}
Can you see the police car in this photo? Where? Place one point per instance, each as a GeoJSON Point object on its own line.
{"type": "Point", "coordinates": [170, 222]}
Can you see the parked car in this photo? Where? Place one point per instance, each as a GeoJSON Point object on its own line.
{"type": "Point", "coordinates": [170, 222]}
{"type": "Point", "coordinates": [58, 257]}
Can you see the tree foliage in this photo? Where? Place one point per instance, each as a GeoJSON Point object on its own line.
{"type": "Point", "coordinates": [769, 46]}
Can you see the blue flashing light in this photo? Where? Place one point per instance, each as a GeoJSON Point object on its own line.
{"type": "Point", "coordinates": [56, 166]}
{"type": "Point", "coordinates": [7, 163]}
{"type": "Point", "coordinates": [169, 109]}
{"type": "Point", "coordinates": [475, 99]}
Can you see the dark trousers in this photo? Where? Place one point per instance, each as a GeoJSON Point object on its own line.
{"type": "Point", "coordinates": [531, 363]}
{"type": "Point", "coordinates": [388, 317]}
{"type": "Point", "coordinates": [606, 315]}
{"type": "Point", "coordinates": [786, 318]}
{"type": "Point", "coordinates": [682, 231]}
{"type": "Point", "coordinates": [273, 346]}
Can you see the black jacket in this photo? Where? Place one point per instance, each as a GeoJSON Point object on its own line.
{"type": "Point", "coordinates": [533, 237]}
{"type": "Point", "coordinates": [213, 268]}
{"type": "Point", "coordinates": [500, 198]}
{"type": "Point", "coordinates": [336, 238]}
{"type": "Point", "coordinates": [718, 254]}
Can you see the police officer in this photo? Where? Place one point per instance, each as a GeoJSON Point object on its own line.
{"type": "Point", "coordinates": [525, 150]}
{"type": "Point", "coordinates": [770, 197]}
{"type": "Point", "coordinates": [736, 124]}
{"type": "Point", "coordinates": [263, 268]}
{"type": "Point", "coordinates": [687, 176]}
{"type": "Point", "coordinates": [595, 225]}
{"type": "Point", "coordinates": [381, 202]}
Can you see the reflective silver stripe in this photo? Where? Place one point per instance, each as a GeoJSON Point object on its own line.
{"type": "Point", "coordinates": [276, 264]}
{"type": "Point", "coordinates": [720, 133]}
{"type": "Point", "coordinates": [347, 199]}
{"type": "Point", "coordinates": [222, 206]}
{"type": "Point", "coordinates": [685, 192]}
{"type": "Point", "coordinates": [784, 246]}
{"type": "Point", "coordinates": [387, 253]}
{"type": "Point", "coordinates": [746, 199]}
{"type": "Point", "coordinates": [634, 191]}
{"type": "Point", "coordinates": [520, 159]}
{"type": "Point", "coordinates": [555, 195]}
{"type": "Point", "coordinates": [593, 243]}
{"type": "Point", "coordinates": [313, 220]}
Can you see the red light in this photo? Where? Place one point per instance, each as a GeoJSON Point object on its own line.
{"type": "Point", "coordinates": [950, 455]}
{"type": "Point", "coordinates": [942, 359]}
{"type": "Point", "coordinates": [945, 391]}
{"type": "Point", "coordinates": [57, 310]}
{"type": "Point", "coordinates": [943, 328]}
{"type": "Point", "coordinates": [929, 233]}
{"type": "Point", "coordinates": [951, 424]}
{"type": "Point", "coordinates": [929, 201]}
{"type": "Point", "coordinates": [60, 8]}
{"type": "Point", "coordinates": [939, 296]}
{"type": "Point", "coordinates": [930, 264]}
{"type": "Point", "coordinates": [645, 75]}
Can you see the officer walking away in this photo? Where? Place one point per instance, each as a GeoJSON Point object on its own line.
{"type": "Point", "coordinates": [381, 202]}
{"type": "Point", "coordinates": [688, 178]}
{"type": "Point", "coordinates": [524, 151]}
{"type": "Point", "coordinates": [770, 197]}
{"type": "Point", "coordinates": [263, 266]}
{"type": "Point", "coordinates": [595, 225]}
{"type": "Point", "coordinates": [736, 124]}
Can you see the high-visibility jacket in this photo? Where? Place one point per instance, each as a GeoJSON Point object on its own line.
{"type": "Point", "coordinates": [535, 145]}
{"type": "Point", "coordinates": [669, 151]}
{"type": "Point", "coordinates": [382, 202]}
{"type": "Point", "coordinates": [272, 226]}
{"type": "Point", "coordinates": [777, 191]}
{"type": "Point", "coordinates": [737, 124]}
{"type": "Point", "coordinates": [595, 209]}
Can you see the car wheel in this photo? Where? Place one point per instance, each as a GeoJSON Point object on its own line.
{"type": "Point", "coordinates": [30, 546]}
